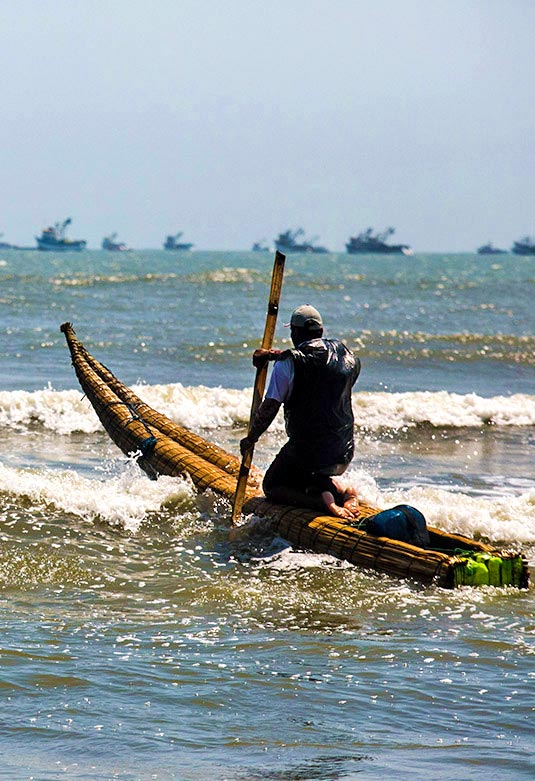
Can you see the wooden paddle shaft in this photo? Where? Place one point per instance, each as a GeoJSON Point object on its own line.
{"type": "Point", "coordinates": [260, 378]}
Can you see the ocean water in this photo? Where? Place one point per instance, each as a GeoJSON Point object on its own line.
{"type": "Point", "coordinates": [138, 642]}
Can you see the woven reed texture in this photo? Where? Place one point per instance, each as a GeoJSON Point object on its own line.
{"type": "Point", "coordinates": [175, 451]}
{"type": "Point", "coordinates": [325, 534]}
{"type": "Point", "coordinates": [155, 420]}
{"type": "Point", "coordinates": [130, 433]}
{"type": "Point", "coordinates": [450, 541]}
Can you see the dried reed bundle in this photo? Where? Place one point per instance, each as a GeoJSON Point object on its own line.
{"type": "Point", "coordinates": [154, 419]}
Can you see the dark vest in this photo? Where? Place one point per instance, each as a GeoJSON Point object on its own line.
{"type": "Point", "coordinates": [318, 414]}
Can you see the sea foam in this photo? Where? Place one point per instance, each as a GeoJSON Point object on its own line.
{"type": "Point", "coordinates": [502, 519]}
{"type": "Point", "coordinates": [374, 411]}
{"type": "Point", "coordinates": [61, 411]}
{"type": "Point", "coordinates": [201, 407]}
{"type": "Point", "coordinates": [125, 497]}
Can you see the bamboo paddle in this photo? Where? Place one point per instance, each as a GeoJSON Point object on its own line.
{"type": "Point", "coordinates": [260, 378]}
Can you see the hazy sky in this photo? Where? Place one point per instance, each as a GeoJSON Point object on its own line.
{"type": "Point", "coordinates": [233, 120]}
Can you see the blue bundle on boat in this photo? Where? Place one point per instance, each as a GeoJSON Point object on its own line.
{"type": "Point", "coordinates": [403, 522]}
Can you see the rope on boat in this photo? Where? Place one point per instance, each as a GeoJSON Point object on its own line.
{"type": "Point", "coordinates": [146, 445]}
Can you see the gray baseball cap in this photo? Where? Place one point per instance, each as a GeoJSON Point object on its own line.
{"type": "Point", "coordinates": [305, 316]}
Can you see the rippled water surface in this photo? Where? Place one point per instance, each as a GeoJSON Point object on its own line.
{"type": "Point", "coordinates": [139, 642]}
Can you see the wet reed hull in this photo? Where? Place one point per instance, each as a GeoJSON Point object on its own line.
{"type": "Point", "coordinates": [165, 448]}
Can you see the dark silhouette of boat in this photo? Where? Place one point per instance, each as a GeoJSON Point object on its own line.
{"type": "Point", "coordinates": [52, 239]}
{"type": "Point", "coordinates": [490, 249]}
{"type": "Point", "coordinates": [109, 243]}
{"type": "Point", "coordinates": [173, 242]}
{"type": "Point", "coordinates": [5, 245]}
{"type": "Point", "coordinates": [288, 242]}
{"type": "Point", "coordinates": [525, 246]}
{"type": "Point", "coordinates": [260, 246]}
{"type": "Point", "coordinates": [369, 242]}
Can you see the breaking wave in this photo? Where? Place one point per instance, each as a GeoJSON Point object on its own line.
{"type": "Point", "coordinates": [201, 407]}
{"type": "Point", "coordinates": [126, 498]}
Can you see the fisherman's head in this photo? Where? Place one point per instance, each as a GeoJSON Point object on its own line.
{"type": "Point", "coordinates": [305, 324]}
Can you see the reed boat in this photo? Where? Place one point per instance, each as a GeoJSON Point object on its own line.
{"type": "Point", "coordinates": [163, 447]}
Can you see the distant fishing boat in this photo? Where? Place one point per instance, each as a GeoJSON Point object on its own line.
{"type": "Point", "coordinates": [369, 243]}
{"type": "Point", "coordinates": [52, 239]}
{"type": "Point", "coordinates": [260, 246]}
{"type": "Point", "coordinates": [489, 249]}
{"type": "Point", "coordinates": [288, 242]}
{"type": "Point", "coordinates": [173, 243]}
{"type": "Point", "coordinates": [5, 245]}
{"type": "Point", "coordinates": [525, 246]}
{"type": "Point", "coordinates": [109, 243]}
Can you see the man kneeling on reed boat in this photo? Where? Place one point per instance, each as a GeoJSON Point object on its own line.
{"type": "Point", "coordinates": [314, 382]}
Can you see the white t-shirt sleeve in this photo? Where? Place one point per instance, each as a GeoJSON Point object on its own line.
{"type": "Point", "coordinates": [281, 381]}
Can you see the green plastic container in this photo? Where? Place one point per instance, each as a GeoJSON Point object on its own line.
{"type": "Point", "coordinates": [488, 569]}
{"type": "Point", "coordinates": [476, 573]}
{"type": "Point", "coordinates": [518, 568]}
{"type": "Point", "coordinates": [494, 566]}
{"type": "Point", "coordinates": [507, 572]}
